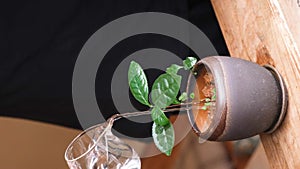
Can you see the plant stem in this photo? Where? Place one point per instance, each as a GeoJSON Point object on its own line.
{"type": "Point", "coordinates": [171, 108]}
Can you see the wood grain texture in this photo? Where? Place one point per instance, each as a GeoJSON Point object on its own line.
{"type": "Point", "coordinates": [268, 32]}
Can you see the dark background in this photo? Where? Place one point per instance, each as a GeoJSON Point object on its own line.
{"type": "Point", "coordinates": [40, 41]}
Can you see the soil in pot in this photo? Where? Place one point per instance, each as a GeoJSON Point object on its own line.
{"type": "Point", "coordinates": [205, 92]}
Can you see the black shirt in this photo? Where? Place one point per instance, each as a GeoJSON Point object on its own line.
{"type": "Point", "coordinates": [40, 41]}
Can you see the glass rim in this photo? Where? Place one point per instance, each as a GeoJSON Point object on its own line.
{"type": "Point", "coordinates": [80, 135]}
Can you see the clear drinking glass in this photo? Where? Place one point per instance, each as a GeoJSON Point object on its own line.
{"type": "Point", "coordinates": [98, 148]}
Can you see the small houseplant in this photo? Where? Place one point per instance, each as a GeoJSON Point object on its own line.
{"type": "Point", "coordinates": [227, 99]}
{"type": "Point", "coordinates": [163, 93]}
{"type": "Point", "coordinates": [250, 99]}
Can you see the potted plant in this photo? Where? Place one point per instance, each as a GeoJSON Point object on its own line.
{"type": "Point", "coordinates": [226, 99]}
{"type": "Point", "coordinates": [244, 99]}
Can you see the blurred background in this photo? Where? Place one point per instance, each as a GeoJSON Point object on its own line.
{"type": "Point", "coordinates": [34, 145]}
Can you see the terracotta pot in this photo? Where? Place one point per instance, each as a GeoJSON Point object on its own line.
{"type": "Point", "coordinates": [250, 99]}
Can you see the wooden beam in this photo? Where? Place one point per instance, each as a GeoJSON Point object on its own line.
{"type": "Point", "coordinates": [268, 32]}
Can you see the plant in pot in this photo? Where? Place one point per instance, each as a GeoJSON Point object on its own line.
{"type": "Point", "coordinates": [249, 99]}
{"type": "Point", "coordinates": [226, 99]}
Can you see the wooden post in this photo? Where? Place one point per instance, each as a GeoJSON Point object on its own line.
{"type": "Point", "coordinates": [268, 32]}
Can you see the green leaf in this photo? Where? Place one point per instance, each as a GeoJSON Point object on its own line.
{"type": "Point", "coordinates": [176, 102]}
{"type": "Point", "coordinates": [173, 69]}
{"type": "Point", "coordinates": [165, 90]}
{"type": "Point", "coordinates": [138, 83]}
{"type": "Point", "coordinates": [214, 95]}
{"type": "Point", "coordinates": [183, 97]}
{"type": "Point", "coordinates": [207, 100]}
{"type": "Point", "coordinates": [177, 78]}
{"type": "Point", "coordinates": [203, 108]}
{"type": "Point", "coordinates": [208, 104]}
{"type": "Point", "coordinates": [189, 62]}
{"type": "Point", "coordinates": [192, 95]}
{"type": "Point", "coordinates": [163, 137]}
{"type": "Point", "coordinates": [159, 129]}
{"type": "Point", "coordinates": [159, 117]}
